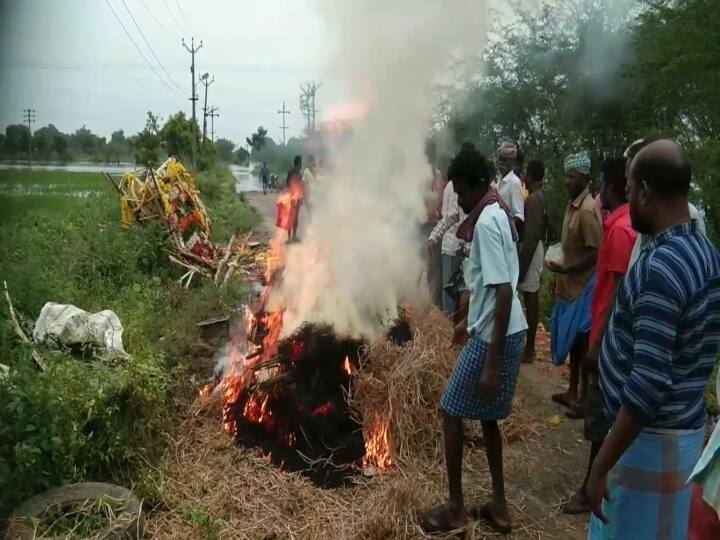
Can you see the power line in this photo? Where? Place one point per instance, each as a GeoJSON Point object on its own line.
{"type": "Point", "coordinates": [182, 14]}
{"type": "Point", "coordinates": [142, 35]}
{"type": "Point", "coordinates": [157, 21]}
{"type": "Point", "coordinates": [177, 23]}
{"type": "Point", "coordinates": [138, 48]}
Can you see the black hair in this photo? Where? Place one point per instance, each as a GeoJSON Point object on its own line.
{"type": "Point", "coordinates": [536, 170]}
{"type": "Point", "coordinates": [519, 156]}
{"type": "Point", "coordinates": [467, 145]}
{"type": "Point", "coordinates": [669, 176]}
{"type": "Point", "coordinates": [297, 161]}
{"type": "Point", "coordinates": [613, 171]}
{"type": "Point", "coordinates": [471, 167]}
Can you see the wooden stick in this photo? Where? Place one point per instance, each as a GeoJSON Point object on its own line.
{"type": "Point", "coordinates": [190, 266]}
{"type": "Point", "coordinates": [224, 259]}
{"type": "Point", "coordinates": [109, 179]}
{"type": "Point", "coordinates": [19, 331]}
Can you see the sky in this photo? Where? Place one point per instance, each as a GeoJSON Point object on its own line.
{"type": "Point", "coordinates": [72, 62]}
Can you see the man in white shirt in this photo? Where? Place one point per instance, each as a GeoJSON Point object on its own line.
{"type": "Point", "coordinates": [509, 186]}
{"type": "Point", "coordinates": [443, 236]}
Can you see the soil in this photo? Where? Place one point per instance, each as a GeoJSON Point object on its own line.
{"type": "Point", "coordinates": [543, 470]}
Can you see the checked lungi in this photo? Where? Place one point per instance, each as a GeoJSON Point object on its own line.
{"type": "Point", "coordinates": [649, 489]}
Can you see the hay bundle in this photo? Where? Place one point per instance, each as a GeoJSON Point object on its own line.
{"type": "Point", "coordinates": [401, 387]}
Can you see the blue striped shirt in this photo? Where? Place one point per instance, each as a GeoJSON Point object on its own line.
{"type": "Point", "coordinates": [659, 351]}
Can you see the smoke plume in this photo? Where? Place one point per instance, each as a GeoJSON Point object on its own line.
{"type": "Point", "coordinates": [361, 251]}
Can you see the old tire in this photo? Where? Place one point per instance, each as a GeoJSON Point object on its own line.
{"type": "Point", "coordinates": [129, 523]}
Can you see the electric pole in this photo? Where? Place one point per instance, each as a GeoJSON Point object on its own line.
{"type": "Point", "coordinates": [212, 113]}
{"type": "Point", "coordinates": [307, 104]}
{"type": "Point", "coordinates": [29, 117]}
{"type": "Point", "coordinates": [284, 126]}
{"type": "Point", "coordinates": [207, 82]}
{"type": "Point", "coordinates": [193, 97]}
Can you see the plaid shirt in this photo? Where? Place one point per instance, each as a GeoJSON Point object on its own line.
{"type": "Point", "coordinates": [662, 341]}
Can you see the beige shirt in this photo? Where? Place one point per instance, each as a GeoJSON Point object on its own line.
{"type": "Point", "coordinates": [582, 232]}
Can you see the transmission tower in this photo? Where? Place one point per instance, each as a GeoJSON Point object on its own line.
{"type": "Point", "coordinates": [212, 113]}
{"type": "Point", "coordinates": [307, 104]}
{"type": "Point", "coordinates": [206, 82]}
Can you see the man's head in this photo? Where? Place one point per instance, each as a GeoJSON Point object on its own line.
{"type": "Point", "coordinates": [535, 172]}
{"type": "Point", "coordinates": [577, 173]}
{"type": "Point", "coordinates": [612, 183]}
{"type": "Point", "coordinates": [297, 162]}
{"type": "Point", "coordinates": [506, 157]}
{"type": "Point", "coordinates": [470, 174]}
{"type": "Point", "coordinates": [658, 184]}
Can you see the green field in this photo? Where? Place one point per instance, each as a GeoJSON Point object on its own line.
{"type": "Point", "coordinates": [83, 418]}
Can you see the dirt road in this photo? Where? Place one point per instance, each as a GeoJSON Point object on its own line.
{"type": "Point", "coordinates": [547, 466]}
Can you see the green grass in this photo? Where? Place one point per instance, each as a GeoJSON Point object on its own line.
{"type": "Point", "coordinates": [86, 419]}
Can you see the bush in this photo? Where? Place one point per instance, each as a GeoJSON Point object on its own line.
{"type": "Point", "coordinates": [86, 419]}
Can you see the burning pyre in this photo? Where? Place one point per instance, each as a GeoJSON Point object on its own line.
{"type": "Point", "coordinates": [289, 396]}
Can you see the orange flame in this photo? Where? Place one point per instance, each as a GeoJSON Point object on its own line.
{"type": "Point", "coordinates": [233, 387]}
{"type": "Point", "coordinates": [347, 366]}
{"type": "Point", "coordinates": [206, 390]}
{"type": "Point", "coordinates": [377, 446]}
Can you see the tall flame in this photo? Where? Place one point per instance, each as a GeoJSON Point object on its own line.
{"type": "Point", "coordinates": [377, 446]}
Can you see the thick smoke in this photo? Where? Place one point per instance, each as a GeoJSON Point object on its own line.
{"type": "Point", "coordinates": [361, 250]}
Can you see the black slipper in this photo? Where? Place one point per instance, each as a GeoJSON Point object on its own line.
{"type": "Point", "coordinates": [484, 513]}
{"type": "Point", "coordinates": [436, 520]}
{"type": "Point", "coordinates": [562, 399]}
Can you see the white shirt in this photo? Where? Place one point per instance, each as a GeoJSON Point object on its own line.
{"type": "Point", "coordinates": [510, 189]}
{"type": "Point", "coordinates": [452, 216]}
{"type": "Point", "coordinates": [493, 260]}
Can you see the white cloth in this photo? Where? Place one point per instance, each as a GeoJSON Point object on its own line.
{"type": "Point", "coordinates": [452, 216]}
{"type": "Point", "coordinates": [67, 325]}
{"type": "Point", "coordinates": [510, 189]}
{"type": "Point", "coordinates": [531, 282]}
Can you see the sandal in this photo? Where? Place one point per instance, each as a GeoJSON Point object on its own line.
{"type": "Point", "coordinates": [485, 514]}
{"type": "Point", "coordinates": [437, 520]}
{"type": "Point", "coordinates": [563, 400]}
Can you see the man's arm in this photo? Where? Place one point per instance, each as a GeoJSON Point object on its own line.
{"type": "Point", "coordinates": [624, 431]}
{"type": "Point", "coordinates": [591, 230]}
{"type": "Point", "coordinates": [594, 352]}
{"type": "Point", "coordinates": [532, 234]}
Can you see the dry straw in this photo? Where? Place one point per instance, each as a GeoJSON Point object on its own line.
{"type": "Point", "coordinates": [247, 498]}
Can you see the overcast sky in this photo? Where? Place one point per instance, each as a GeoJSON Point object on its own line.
{"type": "Point", "coordinates": [72, 62]}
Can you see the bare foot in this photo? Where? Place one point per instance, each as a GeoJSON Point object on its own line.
{"type": "Point", "coordinates": [496, 515]}
{"type": "Point", "coordinates": [529, 356]}
{"type": "Point", "coordinates": [577, 503]}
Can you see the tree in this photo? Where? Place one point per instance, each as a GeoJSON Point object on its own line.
{"type": "Point", "coordinates": [177, 136]}
{"type": "Point", "coordinates": [147, 142]}
{"type": "Point", "coordinates": [119, 147]}
{"type": "Point", "coordinates": [16, 140]}
{"type": "Point", "coordinates": [60, 147]}
{"type": "Point", "coordinates": [241, 156]}
{"type": "Point", "coordinates": [258, 139]}
{"type": "Point", "coordinates": [224, 150]}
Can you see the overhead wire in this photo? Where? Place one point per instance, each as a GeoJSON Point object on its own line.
{"type": "Point", "coordinates": [177, 23]}
{"type": "Point", "coordinates": [182, 14]}
{"type": "Point", "coordinates": [157, 21]}
{"type": "Point", "coordinates": [139, 50]}
{"type": "Point", "coordinates": [150, 47]}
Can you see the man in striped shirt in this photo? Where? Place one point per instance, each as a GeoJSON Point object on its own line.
{"type": "Point", "coordinates": [657, 357]}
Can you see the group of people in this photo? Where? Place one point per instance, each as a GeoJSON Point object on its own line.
{"type": "Point", "coordinates": [637, 311]}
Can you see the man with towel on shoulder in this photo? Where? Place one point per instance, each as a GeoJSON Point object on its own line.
{"type": "Point", "coordinates": [575, 279]}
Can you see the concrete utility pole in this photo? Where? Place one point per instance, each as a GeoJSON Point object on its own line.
{"type": "Point", "coordinates": [284, 126]}
{"type": "Point", "coordinates": [193, 97]}
{"type": "Point", "coordinates": [207, 83]}
{"type": "Point", "coordinates": [307, 104]}
{"type": "Point", "coordinates": [29, 117]}
{"type": "Point", "coordinates": [212, 113]}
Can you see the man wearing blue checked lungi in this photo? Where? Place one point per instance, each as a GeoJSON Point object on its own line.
{"type": "Point", "coordinates": [657, 357]}
{"type": "Point", "coordinates": [482, 385]}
